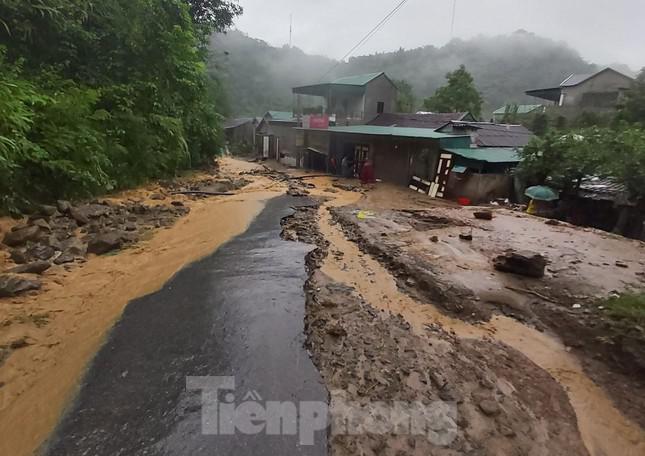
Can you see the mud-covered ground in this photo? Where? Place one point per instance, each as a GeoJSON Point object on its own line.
{"type": "Point", "coordinates": [401, 308]}
{"type": "Point", "coordinates": [423, 249]}
{"type": "Point", "coordinates": [505, 404]}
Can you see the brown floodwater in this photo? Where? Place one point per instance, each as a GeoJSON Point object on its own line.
{"type": "Point", "coordinates": [604, 430]}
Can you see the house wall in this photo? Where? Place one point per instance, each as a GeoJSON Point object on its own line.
{"type": "Point", "coordinates": [244, 133]}
{"type": "Point", "coordinates": [607, 82]}
{"type": "Point", "coordinates": [379, 89]}
{"type": "Point", "coordinates": [479, 188]}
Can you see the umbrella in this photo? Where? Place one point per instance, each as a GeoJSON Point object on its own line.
{"type": "Point", "coordinates": [542, 193]}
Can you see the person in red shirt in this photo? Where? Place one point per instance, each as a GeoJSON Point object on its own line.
{"type": "Point", "coordinates": [367, 173]}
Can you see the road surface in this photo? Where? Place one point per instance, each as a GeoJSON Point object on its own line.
{"type": "Point", "coordinates": [238, 312]}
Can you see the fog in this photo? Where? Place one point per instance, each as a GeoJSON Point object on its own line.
{"type": "Point", "coordinates": [604, 32]}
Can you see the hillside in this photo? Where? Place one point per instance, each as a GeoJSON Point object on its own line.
{"type": "Point", "coordinates": [260, 76]}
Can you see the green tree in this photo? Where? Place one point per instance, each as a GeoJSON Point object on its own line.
{"type": "Point", "coordinates": [539, 124]}
{"type": "Point", "coordinates": [405, 100]}
{"type": "Point", "coordinates": [633, 106]}
{"type": "Point", "coordinates": [102, 95]}
{"type": "Point", "coordinates": [460, 94]}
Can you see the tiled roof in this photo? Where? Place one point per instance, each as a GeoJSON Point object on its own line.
{"type": "Point", "coordinates": [521, 109]}
{"type": "Point", "coordinates": [488, 134]}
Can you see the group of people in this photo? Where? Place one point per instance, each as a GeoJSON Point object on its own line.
{"type": "Point", "coordinates": [350, 168]}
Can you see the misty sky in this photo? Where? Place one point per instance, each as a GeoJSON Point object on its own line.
{"type": "Point", "coordinates": [603, 31]}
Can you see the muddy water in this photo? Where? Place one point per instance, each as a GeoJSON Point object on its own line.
{"type": "Point", "coordinates": [605, 431]}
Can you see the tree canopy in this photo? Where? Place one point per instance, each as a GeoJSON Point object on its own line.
{"type": "Point", "coordinates": [458, 95]}
{"type": "Point", "coordinates": [405, 101]}
{"type": "Point", "coordinates": [101, 95]}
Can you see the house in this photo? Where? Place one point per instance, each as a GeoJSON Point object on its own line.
{"type": "Point", "coordinates": [276, 135]}
{"type": "Point", "coordinates": [519, 111]}
{"type": "Point", "coordinates": [349, 100]}
{"type": "Point", "coordinates": [241, 132]}
{"type": "Point", "coordinates": [419, 120]}
{"type": "Point", "coordinates": [600, 90]}
{"type": "Point", "coordinates": [482, 171]}
{"type": "Point", "coordinates": [400, 155]}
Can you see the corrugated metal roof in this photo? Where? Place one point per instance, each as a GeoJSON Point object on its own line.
{"type": "Point", "coordinates": [575, 79]}
{"type": "Point", "coordinates": [281, 115]}
{"type": "Point", "coordinates": [487, 154]}
{"type": "Point", "coordinates": [599, 188]}
{"type": "Point", "coordinates": [234, 123]}
{"type": "Point", "coordinates": [521, 109]}
{"type": "Point", "coordinates": [392, 131]}
{"type": "Point", "coordinates": [434, 120]}
{"type": "Point", "coordinates": [357, 80]}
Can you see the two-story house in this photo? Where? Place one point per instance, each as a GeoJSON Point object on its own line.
{"type": "Point", "coordinates": [351, 100]}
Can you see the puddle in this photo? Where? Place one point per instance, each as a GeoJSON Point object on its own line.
{"type": "Point", "coordinates": [604, 430]}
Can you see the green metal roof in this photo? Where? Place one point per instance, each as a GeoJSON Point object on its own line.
{"type": "Point", "coordinates": [281, 115]}
{"type": "Point", "coordinates": [358, 80]}
{"type": "Point", "coordinates": [392, 131]}
{"type": "Point", "coordinates": [521, 109]}
{"type": "Point", "coordinates": [487, 154]}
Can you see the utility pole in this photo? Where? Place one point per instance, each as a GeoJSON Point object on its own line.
{"type": "Point", "coordinates": [452, 23]}
{"type": "Point", "coordinates": [290, 29]}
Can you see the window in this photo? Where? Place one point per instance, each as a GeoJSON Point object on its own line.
{"type": "Point", "coordinates": [380, 107]}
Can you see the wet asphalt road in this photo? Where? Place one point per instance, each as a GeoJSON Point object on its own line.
{"type": "Point", "coordinates": [239, 312]}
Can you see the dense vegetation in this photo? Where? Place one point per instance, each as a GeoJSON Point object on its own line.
{"type": "Point", "coordinates": [260, 77]}
{"type": "Point", "coordinates": [101, 95]}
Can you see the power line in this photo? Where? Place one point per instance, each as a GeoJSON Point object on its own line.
{"type": "Point", "coordinates": [369, 35]}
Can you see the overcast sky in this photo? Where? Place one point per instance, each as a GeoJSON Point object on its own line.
{"type": "Point", "coordinates": [603, 31]}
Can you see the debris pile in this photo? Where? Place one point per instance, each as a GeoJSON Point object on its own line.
{"type": "Point", "coordinates": [66, 233]}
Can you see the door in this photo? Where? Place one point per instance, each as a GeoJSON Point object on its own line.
{"type": "Point", "coordinates": [361, 155]}
{"type": "Point", "coordinates": [438, 186]}
{"type": "Point", "coordinates": [265, 147]}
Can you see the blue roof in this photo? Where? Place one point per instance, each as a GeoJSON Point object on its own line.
{"type": "Point", "coordinates": [281, 115]}
{"type": "Point", "coordinates": [487, 154]}
{"type": "Point", "coordinates": [358, 80]}
{"type": "Point", "coordinates": [392, 131]}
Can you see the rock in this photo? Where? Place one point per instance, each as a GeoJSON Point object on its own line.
{"type": "Point", "coordinates": [489, 407]}
{"type": "Point", "coordinates": [552, 222]}
{"type": "Point", "coordinates": [36, 267]}
{"type": "Point", "coordinates": [483, 215]}
{"type": "Point", "coordinates": [177, 203]}
{"type": "Point", "coordinates": [18, 343]}
{"type": "Point", "coordinates": [18, 256]}
{"type": "Point", "coordinates": [73, 248]}
{"type": "Point", "coordinates": [157, 197]}
{"type": "Point", "coordinates": [129, 226]}
{"type": "Point", "coordinates": [466, 236]}
{"type": "Point", "coordinates": [525, 263]}
{"type": "Point", "coordinates": [47, 210]}
{"type": "Point", "coordinates": [105, 242]}
{"type": "Point", "coordinates": [11, 285]}
{"type": "Point", "coordinates": [336, 331]}
{"type": "Point", "coordinates": [434, 238]}
{"type": "Point", "coordinates": [40, 252]}
{"type": "Point", "coordinates": [21, 236]}
{"type": "Point", "coordinates": [621, 264]}
{"type": "Point", "coordinates": [53, 242]}
{"type": "Point", "coordinates": [42, 224]}
{"type": "Point", "coordinates": [64, 207]}
{"type": "Point", "coordinates": [79, 216]}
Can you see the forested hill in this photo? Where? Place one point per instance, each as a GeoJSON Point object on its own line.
{"type": "Point", "coordinates": [260, 76]}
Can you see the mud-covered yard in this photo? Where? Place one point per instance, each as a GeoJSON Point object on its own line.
{"type": "Point", "coordinates": [401, 307]}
